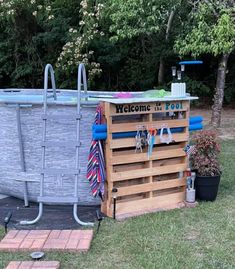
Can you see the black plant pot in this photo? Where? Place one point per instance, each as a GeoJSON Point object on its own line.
{"type": "Point", "coordinates": [207, 187]}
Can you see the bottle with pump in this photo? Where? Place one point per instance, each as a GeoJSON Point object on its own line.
{"type": "Point", "coordinates": [190, 191]}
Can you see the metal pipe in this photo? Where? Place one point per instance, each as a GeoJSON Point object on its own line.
{"type": "Point", "coordinates": [78, 220]}
{"type": "Point", "coordinates": [82, 76]}
{"type": "Point", "coordinates": [22, 158]}
{"type": "Point", "coordinates": [21, 146]}
{"type": "Point", "coordinates": [47, 69]}
{"type": "Point", "coordinates": [30, 222]}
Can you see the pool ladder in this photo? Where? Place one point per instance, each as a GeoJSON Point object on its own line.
{"type": "Point", "coordinates": [59, 172]}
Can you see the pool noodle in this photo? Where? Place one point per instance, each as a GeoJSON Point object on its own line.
{"type": "Point", "coordinates": [195, 119]}
{"type": "Point", "coordinates": [99, 136]}
{"type": "Point", "coordinates": [196, 127]}
{"type": "Point", "coordinates": [99, 132]}
{"type": "Point", "coordinates": [103, 136]}
{"type": "Point", "coordinates": [99, 128]}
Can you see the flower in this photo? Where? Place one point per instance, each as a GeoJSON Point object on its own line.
{"type": "Point", "coordinates": [51, 17]}
{"type": "Point", "coordinates": [76, 50]}
{"type": "Point", "coordinates": [81, 23]}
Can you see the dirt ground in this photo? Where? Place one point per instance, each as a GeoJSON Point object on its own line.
{"type": "Point", "coordinates": [227, 130]}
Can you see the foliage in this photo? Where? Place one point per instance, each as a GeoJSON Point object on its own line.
{"type": "Point", "coordinates": [196, 88]}
{"type": "Point", "coordinates": [140, 17]}
{"type": "Point", "coordinates": [210, 29]}
{"type": "Point", "coordinates": [204, 159]}
{"type": "Point", "coordinates": [145, 24]}
{"type": "Point", "coordinates": [34, 32]}
{"type": "Point", "coordinates": [124, 39]}
{"type": "Point", "coordinates": [76, 50]}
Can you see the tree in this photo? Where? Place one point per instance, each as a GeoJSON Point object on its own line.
{"type": "Point", "coordinates": [32, 34]}
{"type": "Point", "coordinates": [146, 19]}
{"type": "Point", "coordinates": [77, 49]}
{"type": "Point", "coordinates": [211, 30]}
{"type": "Point", "coordinates": [35, 32]}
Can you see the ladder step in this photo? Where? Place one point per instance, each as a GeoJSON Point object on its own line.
{"type": "Point", "coordinates": [61, 117]}
{"type": "Point", "coordinates": [54, 171]}
{"type": "Point", "coordinates": [61, 144]}
{"type": "Point", "coordinates": [57, 200]}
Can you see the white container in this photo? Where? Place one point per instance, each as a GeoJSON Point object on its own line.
{"type": "Point", "coordinates": [178, 89]}
{"type": "Point", "coordinates": [190, 195]}
{"type": "Point", "coordinates": [181, 89]}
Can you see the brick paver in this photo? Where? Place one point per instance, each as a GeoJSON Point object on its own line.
{"type": "Point", "coordinates": [35, 240]}
{"type": "Point", "coordinates": [33, 265]}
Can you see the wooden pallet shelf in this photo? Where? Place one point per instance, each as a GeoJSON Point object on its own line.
{"type": "Point", "coordinates": [145, 184]}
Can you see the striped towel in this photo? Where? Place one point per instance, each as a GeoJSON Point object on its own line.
{"type": "Point", "coordinates": [189, 149]}
{"type": "Point", "coordinates": [96, 162]}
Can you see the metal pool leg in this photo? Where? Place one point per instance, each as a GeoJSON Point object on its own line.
{"type": "Point", "coordinates": [30, 222]}
{"type": "Point", "coordinates": [75, 215]}
{"type": "Point", "coordinates": [26, 200]}
{"type": "Point", "coordinates": [21, 147]}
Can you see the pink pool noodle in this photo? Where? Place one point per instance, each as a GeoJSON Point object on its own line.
{"type": "Point", "coordinates": [123, 95]}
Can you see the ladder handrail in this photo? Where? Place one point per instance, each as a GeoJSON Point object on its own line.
{"type": "Point", "coordinates": [46, 73]}
{"type": "Point", "coordinates": [82, 77]}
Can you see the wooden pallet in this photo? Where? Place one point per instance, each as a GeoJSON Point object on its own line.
{"type": "Point", "coordinates": [143, 184]}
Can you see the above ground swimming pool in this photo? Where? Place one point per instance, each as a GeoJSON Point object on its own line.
{"type": "Point", "coordinates": [21, 135]}
{"type": "Point", "coordinates": [21, 123]}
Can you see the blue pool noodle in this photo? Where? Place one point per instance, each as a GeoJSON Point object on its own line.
{"type": "Point", "coordinates": [99, 132]}
{"type": "Point", "coordinates": [195, 119]}
{"type": "Point", "coordinates": [103, 136]}
{"type": "Point", "coordinates": [191, 62]}
{"type": "Point", "coordinates": [99, 136]}
{"type": "Point", "coordinates": [102, 128]}
{"type": "Point", "coordinates": [124, 135]}
{"type": "Point", "coordinates": [99, 128]}
{"type": "Point", "coordinates": [196, 127]}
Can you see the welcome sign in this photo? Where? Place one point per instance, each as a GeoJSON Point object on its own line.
{"type": "Point", "coordinates": [148, 107]}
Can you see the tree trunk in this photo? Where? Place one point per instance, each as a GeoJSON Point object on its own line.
{"type": "Point", "coordinates": [219, 91]}
{"type": "Point", "coordinates": [161, 71]}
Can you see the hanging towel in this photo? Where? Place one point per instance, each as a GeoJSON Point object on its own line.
{"type": "Point", "coordinates": [96, 163]}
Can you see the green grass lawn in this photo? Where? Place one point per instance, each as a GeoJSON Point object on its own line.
{"type": "Point", "coordinates": [201, 237]}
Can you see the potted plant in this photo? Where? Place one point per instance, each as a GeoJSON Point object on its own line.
{"type": "Point", "coordinates": [204, 160]}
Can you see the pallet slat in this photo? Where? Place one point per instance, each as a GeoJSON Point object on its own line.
{"type": "Point", "coordinates": [153, 108]}
{"type": "Point", "coordinates": [148, 204]}
{"type": "Point", "coordinates": [132, 126]}
{"type": "Point", "coordinates": [152, 186]}
{"type": "Point", "coordinates": [130, 142]}
{"type": "Point", "coordinates": [133, 157]}
{"type": "Point", "coordinates": [146, 172]}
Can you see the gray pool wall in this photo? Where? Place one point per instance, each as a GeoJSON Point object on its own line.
{"type": "Point", "coordinates": [63, 157]}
